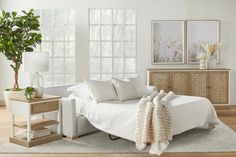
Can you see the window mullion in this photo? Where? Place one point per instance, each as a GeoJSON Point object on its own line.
{"type": "Point", "coordinates": [112, 42]}
{"type": "Point", "coordinates": [64, 54]}
{"type": "Point", "coordinates": [100, 38]}
{"type": "Point", "coordinates": [52, 48]}
{"type": "Point", "coordinates": [124, 65]}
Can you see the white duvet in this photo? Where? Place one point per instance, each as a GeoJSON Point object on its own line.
{"type": "Point", "coordinates": [119, 118]}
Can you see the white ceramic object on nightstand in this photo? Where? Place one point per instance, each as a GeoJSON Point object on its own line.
{"type": "Point", "coordinates": [39, 91]}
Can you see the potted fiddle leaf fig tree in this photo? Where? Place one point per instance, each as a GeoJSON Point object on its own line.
{"type": "Point", "coordinates": [18, 33]}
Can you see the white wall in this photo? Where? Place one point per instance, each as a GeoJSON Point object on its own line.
{"type": "Point", "coordinates": [147, 10]}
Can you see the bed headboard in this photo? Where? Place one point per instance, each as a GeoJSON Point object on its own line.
{"type": "Point", "coordinates": [58, 90]}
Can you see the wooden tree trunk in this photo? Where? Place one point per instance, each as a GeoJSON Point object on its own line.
{"type": "Point", "coordinates": [16, 85]}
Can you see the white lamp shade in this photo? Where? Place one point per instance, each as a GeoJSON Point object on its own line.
{"type": "Point", "coordinates": [35, 61]}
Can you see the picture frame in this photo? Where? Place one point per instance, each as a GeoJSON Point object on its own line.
{"type": "Point", "coordinates": [198, 33]}
{"type": "Point", "coordinates": [168, 42]}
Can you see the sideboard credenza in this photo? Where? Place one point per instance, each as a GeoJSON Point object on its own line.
{"type": "Point", "coordinates": [210, 83]}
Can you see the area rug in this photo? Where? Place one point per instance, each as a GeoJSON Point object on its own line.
{"type": "Point", "coordinates": [221, 139]}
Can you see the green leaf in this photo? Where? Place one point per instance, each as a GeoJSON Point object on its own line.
{"type": "Point", "coordinates": [7, 14]}
{"type": "Point", "coordinates": [9, 42]}
{"type": "Point", "coordinates": [31, 11]}
{"type": "Point", "coordinates": [29, 49]}
{"type": "Point", "coordinates": [14, 13]}
{"type": "Point", "coordinates": [13, 67]}
{"type": "Point", "coordinates": [24, 12]}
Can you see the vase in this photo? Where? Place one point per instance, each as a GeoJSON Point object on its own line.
{"type": "Point", "coordinates": [12, 95]}
{"type": "Point", "coordinates": [212, 63]}
{"type": "Point", "coordinates": [203, 64]}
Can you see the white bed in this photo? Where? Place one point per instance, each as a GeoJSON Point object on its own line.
{"type": "Point", "coordinates": [119, 118]}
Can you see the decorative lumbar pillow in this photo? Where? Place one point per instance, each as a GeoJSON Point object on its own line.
{"type": "Point", "coordinates": [125, 90]}
{"type": "Point", "coordinates": [138, 85]}
{"type": "Point", "coordinates": [101, 90]}
{"type": "Point", "coordinates": [80, 90]}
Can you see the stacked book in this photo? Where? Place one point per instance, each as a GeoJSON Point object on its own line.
{"type": "Point", "coordinates": [36, 133]}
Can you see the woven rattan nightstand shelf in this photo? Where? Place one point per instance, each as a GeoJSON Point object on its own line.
{"type": "Point", "coordinates": [36, 107]}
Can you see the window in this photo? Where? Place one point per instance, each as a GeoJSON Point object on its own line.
{"type": "Point", "coordinates": [112, 43]}
{"type": "Point", "coordinates": [58, 30]}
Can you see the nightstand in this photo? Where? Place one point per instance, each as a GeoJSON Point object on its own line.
{"type": "Point", "coordinates": [37, 108]}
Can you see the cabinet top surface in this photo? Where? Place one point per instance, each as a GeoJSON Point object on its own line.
{"type": "Point", "coordinates": [186, 69]}
{"type": "Point", "coordinates": [44, 98]}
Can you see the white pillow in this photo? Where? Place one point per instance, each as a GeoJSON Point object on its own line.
{"type": "Point", "coordinates": [138, 85]}
{"type": "Point", "coordinates": [80, 90]}
{"type": "Point", "coordinates": [101, 90]}
{"type": "Point", "coordinates": [125, 90]}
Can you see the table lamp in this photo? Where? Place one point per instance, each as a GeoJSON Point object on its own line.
{"type": "Point", "coordinates": [35, 62]}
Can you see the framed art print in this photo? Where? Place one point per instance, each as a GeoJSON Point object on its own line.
{"type": "Point", "coordinates": [200, 32]}
{"type": "Point", "coordinates": [168, 42]}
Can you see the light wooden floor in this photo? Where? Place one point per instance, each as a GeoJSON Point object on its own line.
{"type": "Point", "coordinates": [227, 115]}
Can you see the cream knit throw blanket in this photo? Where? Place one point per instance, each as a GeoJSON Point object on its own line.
{"type": "Point", "coordinates": [154, 123]}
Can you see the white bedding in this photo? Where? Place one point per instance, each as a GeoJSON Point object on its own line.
{"type": "Point", "coordinates": [119, 118]}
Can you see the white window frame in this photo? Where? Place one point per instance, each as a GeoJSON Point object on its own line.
{"type": "Point", "coordinates": [124, 57]}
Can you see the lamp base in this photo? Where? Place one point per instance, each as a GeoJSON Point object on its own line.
{"type": "Point", "coordinates": [39, 91]}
